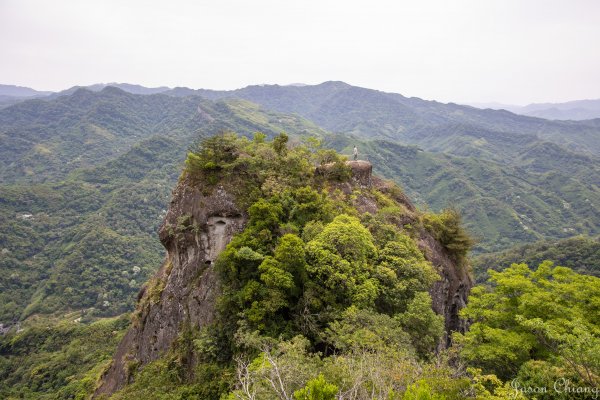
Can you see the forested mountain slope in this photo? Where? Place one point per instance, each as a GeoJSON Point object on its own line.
{"type": "Point", "coordinates": [368, 113]}
{"type": "Point", "coordinates": [580, 253]}
{"type": "Point", "coordinates": [85, 182]}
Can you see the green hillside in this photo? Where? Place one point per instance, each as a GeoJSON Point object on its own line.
{"type": "Point", "coordinates": [85, 182]}
{"type": "Point", "coordinates": [57, 359]}
{"type": "Point", "coordinates": [580, 253]}
{"type": "Point", "coordinates": [45, 140]}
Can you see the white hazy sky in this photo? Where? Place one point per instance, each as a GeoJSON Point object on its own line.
{"type": "Point", "coordinates": [510, 51]}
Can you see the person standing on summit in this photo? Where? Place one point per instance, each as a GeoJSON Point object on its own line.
{"type": "Point", "coordinates": [355, 152]}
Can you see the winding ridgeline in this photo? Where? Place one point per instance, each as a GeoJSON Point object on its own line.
{"type": "Point", "coordinates": [284, 261]}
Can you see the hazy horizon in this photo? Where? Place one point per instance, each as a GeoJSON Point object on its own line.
{"type": "Point", "coordinates": [468, 52]}
{"type": "Point", "coordinates": [489, 104]}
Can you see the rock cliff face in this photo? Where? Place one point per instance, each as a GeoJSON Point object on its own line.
{"type": "Point", "coordinates": [197, 228]}
{"type": "Point", "coordinates": [450, 293]}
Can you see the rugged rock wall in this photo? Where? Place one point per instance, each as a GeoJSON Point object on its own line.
{"type": "Point", "coordinates": [197, 228]}
{"type": "Point", "coordinates": [450, 293]}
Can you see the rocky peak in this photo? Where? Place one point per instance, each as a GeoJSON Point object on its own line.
{"type": "Point", "coordinates": [198, 226]}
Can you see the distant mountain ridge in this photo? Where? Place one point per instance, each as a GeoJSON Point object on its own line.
{"type": "Point", "coordinates": [372, 114]}
{"type": "Point", "coordinates": [20, 91]}
{"type": "Point", "coordinates": [127, 87]}
{"type": "Point", "coordinates": [577, 110]}
{"type": "Point", "coordinates": [12, 94]}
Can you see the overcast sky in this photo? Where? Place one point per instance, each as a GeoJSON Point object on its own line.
{"type": "Point", "coordinates": [510, 51]}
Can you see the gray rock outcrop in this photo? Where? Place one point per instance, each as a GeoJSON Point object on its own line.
{"type": "Point", "coordinates": [195, 230]}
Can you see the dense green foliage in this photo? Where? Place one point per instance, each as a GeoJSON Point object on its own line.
{"type": "Point", "coordinates": [279, 278]}
{"type": "Point", "coordinates": [57, 359]}
{"type": "Point", "coordinates": [580, 253]}
{"type": "Point", "coordinates": [448, 230]}
{"type": "Point", "coordinates": [536, 326]}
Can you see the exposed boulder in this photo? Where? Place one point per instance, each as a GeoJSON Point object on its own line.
{"type": "Point", "coordinates": [361, 171]}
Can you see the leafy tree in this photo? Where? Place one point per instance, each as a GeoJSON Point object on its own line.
{"type": "Point", "coordinates": [333, 165]}
{"type": "Point", "coordinates": [549, 314]}
{"type": "Point", "coordinates": [364, 330]}
{"type": "Point", "coordinates": [280, 144]}
{"type": "Point", "coordinates": [348, 238]}
{"type": "Point", "coordinates": [215, 153]}
{"type": "Point", "coordinates": [339, 266]}
{"type": "Point", "coordinates": [421, 391]}
{"type": "Point", "coordinates": [402, 271]}
{"type": "Point", "coordinates": [424, 326]}
{"type": "Point", "coordinates": [311, 230]}
{"type": "Point", "coordinates": [259, 137]}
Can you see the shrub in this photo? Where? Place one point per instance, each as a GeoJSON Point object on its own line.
{"type": "Point", "coordinates": [317, 389]}
{"type": "Point", "coordinates": [448, 230]}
